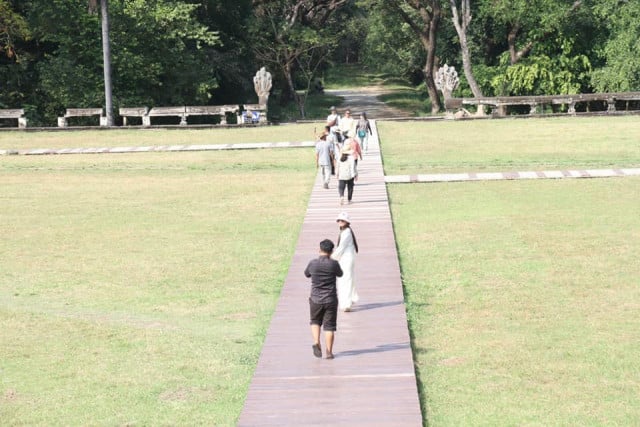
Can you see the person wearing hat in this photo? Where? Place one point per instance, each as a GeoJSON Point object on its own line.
{"type": "Point", "coordinates": [346, 173]}
{"type": "Point", "coordinates": [323, 301]}
{"type": "Point", "coordinates": [345, 254]}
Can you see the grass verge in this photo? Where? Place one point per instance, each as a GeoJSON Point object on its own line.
{"type": "Point", "coordinates": [522, 300]}
{"type": "Point", "coordinates": [520, 294]}
{"type": "Point", "coordinates": [154, 137]}
{"type": "Point", "coordinates": [510, 145]}
{"type": "Point", "coordinates": [137, 289]}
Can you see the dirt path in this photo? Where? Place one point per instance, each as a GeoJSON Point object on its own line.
{"type": "Point", "coordinates": [366, 99]}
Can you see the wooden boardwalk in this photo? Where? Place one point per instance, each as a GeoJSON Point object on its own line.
{"type": "Point", "coordinates": [371, 381]}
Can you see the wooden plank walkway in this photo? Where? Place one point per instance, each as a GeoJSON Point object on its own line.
{"type": "Point", "coordinates": [371, 381]}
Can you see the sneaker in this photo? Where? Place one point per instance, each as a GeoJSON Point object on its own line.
{"type": "Point", "coordinates": [326, 185]}
{"type": "Point", "coordinates": [341, 201]}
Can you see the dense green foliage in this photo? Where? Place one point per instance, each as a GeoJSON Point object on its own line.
{"type": "Point", "coordinates": [176, 52]}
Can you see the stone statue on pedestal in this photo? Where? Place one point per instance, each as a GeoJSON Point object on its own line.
{"type": "Point", "coordinates": [262, 85]}
{"type": "Point", "coordinates": [447, 80]}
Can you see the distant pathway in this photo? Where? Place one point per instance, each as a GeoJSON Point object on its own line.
{"type": "Point", "coordinates": [366, 99]}
{"type": "Point", "coordinates": [154, 148]}
{"type": "Point", "coordinates": [493, 176]}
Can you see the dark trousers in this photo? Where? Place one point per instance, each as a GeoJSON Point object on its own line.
{"type": "Point", "coordinates": [346, 183]}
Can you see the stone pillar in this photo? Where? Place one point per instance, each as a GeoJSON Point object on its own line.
{"type": "Point", "coordinates": [22, 122]}
{"type": "Point", "coordinates": [262, 85]}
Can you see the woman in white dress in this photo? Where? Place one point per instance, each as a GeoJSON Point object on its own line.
{"type": "Point", "coordinates": [345, 254]}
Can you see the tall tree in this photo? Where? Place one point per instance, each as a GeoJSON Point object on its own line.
{"type": "Point", "coordinates": [390, 46]}
{"type": "Point", "coordinates": [12, 26]}
{"type": "Point", "coordinates": [621, 50]}
{"type": "Point", "coordinates": [423, 17]}
{"type": "Point", "coordinates": [15, 60]}
{"type": "Point", "coordinates": [106, 56]}
{"type": "Point", "coordinates": [292, 35]}
{"type": "Point", "coordinates": [163, 54]}
{"type": "Point", "coordinates": [461, 20]}
{"type": "Point", "coordinates": [537, 47]}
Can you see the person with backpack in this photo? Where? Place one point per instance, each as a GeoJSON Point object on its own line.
{"type": "Point", "coordinates": [363, 130]}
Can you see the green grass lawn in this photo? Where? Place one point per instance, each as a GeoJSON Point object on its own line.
{"type": "Point", "coordinates": [154, 137]}
{"type": "Point", "coordinates": [522, 296]}
{"type": "Point", "coordinates": [510, 145]}
{"type": "Point", "coordinates": [137, 289]}
{"type": "Point", "coordinates": [523, 300]}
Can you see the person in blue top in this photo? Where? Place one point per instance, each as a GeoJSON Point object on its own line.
{"type": "Point", "coordinates": [323, 301]}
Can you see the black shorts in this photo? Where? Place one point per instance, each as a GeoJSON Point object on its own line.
{"type": "Point", "coordinates": [325, 315]}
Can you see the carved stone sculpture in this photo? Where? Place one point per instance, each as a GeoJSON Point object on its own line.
{"type": "Point", "coordinates": [262, 85]}
{"type": "Point", "coordinates": [447, 80]}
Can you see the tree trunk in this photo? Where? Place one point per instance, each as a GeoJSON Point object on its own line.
{"type": "Point", "coordinates": [430, 67]}
{"type": "Point", "coordinates": [106, 54]}
{"type": "Point", "coordinates": [431, 85]}
{"type": "Point", "coordinates": [288, 76]}
{"type": "Point", "coordinates": [461, 22]}
{"type": "Point", "coordinates": [425, 25]}
{"type": "Point", "coordinates": [468, 72]}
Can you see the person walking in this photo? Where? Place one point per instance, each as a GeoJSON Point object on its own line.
{"type": "Point", "coordinates": [345, 254]}
{"type": "Point", "coordinates": [363, 130]}
{"type": "Point", "coordinates": [333, 121]}
{"type": "Point", "coordinates": [324, 158]}
{"type": "Point", "coordinates": [356, 151]}
{"type": "Point", "coordinates": [347, 125]}
{"type": "Point", "coordinates": [346, 174]}
{"type": "Point", "coordinates": [323, 301]}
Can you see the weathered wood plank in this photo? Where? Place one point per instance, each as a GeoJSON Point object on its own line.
{"type": "Point", "coordinates": [371, 381]}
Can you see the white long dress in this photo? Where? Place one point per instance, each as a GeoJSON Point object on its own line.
{"type": "Point", "coordinates": [345, 254]}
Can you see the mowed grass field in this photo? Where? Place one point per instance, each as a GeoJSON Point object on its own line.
{"type": "Point", "coordinates": [511, 145]}
{"type": "Point", "coordinates": [144, 137]}
{"type": "Point", "coordinates": [523, 297]}
{"type": "Point", "coordinates": [136, 289]}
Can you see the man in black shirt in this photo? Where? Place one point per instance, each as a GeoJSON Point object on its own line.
{"type": "Point", "coordinates": [323, 302]}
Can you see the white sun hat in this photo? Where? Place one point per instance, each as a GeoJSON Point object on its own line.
{"type": "Point", "coordinates": [343, 216]}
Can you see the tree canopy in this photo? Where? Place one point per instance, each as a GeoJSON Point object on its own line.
{"type": "Point", "coordinates": [177, 52]}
